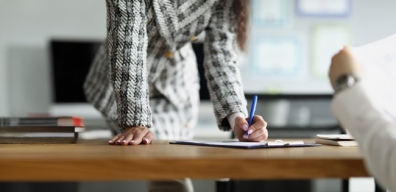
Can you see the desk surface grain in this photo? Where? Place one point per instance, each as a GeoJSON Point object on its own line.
{"type": "Point", "coordinates": [96, 160]}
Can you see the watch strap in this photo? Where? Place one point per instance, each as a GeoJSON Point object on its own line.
{"type": "Point", "coordinates": [345, 81]}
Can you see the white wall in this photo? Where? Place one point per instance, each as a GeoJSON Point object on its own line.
{"type": "Point", "coordinates": [368, 21]}
{"type": "Point", "coordinates": [25, 28]}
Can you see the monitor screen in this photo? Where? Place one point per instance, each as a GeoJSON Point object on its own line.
{"type": "Point", "coordinates": [70, 65]}
{"type": "Point", "coordinates": [70, 62]}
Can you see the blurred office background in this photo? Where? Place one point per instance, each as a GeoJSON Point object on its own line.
{"type": "Point", "coordinates": [291, 42]}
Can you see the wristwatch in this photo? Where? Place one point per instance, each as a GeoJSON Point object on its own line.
{"type": "Point", "coordinates": [345, 81]}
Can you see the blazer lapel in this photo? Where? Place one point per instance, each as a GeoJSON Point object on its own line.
{"type": "Point", "coordinates": [190, 10]}
{"type": "Point", "coordinates": [170, 17]}
{"type": "Point", "coordinates": [167, 21]}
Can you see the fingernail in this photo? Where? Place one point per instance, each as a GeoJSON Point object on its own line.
{"type": "Point", "coordinates": [244, 127]}
{"type": "Point", "coordinates": [147, 141]}
{"type": "Point", "coordinates": [245, 136]}
{"type": "Point", "coordinates": [110, 141]}
{"type": "Point", "coordinates": [250, 131]}
{"type": "Point", "coordinates": [124, 141]}
{"type": "Point", "coordinates": [131, 141]}
{"type": "Point", "coordinates": [118, 141]}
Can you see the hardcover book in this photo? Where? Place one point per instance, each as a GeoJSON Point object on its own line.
{"type": "Point", "coordinates": [43, 130]}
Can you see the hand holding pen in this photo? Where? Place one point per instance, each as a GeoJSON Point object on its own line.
{"type": "Point", "coordinates": [253, 128]}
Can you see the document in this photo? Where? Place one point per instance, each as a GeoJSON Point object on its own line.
{"type": "Point", "coordinates": [378, 60]}
{"type": "Point", "coordinates": [335, 136]}
{"type": "Point", "coordinates": [336, 139]}
{"type": "Point", "coordinates": [247, 145]}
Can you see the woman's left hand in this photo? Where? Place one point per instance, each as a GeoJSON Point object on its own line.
{"type": "Point", "coordinates": [257, 131]}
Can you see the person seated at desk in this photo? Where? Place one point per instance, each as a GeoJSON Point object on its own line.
{"type": "Point", "coordinates": [145, 81]}
{"type": "Point", "coordinates": [357, 109]}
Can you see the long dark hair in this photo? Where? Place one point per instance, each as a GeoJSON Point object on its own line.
{"type": "Point", "coordinates": [242, 11]}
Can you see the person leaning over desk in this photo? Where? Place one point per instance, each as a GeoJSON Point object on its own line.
{"type": "Point", "coordinates": [145, 81]}
{"type": "Point", "coordinates": [357, 109]}
{"type": "Point", "coordinates": [144, 78]}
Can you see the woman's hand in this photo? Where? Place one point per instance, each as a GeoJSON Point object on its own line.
{"type": "Point", "coordinates": [343, 63]}
{"type": "Point", "coordinates": [133, 136]}
{"type": "Point", "coordinates": [257, 131]}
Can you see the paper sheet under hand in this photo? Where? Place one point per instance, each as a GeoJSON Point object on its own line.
{"type": "Point", "coordinates": [247, 145]}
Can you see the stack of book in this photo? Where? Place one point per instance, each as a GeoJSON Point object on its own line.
{"type": "Point", "coordinates": [20, 130]}
{"type": "Point", "coordinates": [336, 139]}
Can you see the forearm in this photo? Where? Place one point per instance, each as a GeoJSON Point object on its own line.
{"type": "Point", "coordinates": [126, 50]}
{"type": "Point", "coordinates": [221, 70]}
{"type": "Point", "coordinates": [360, 111]}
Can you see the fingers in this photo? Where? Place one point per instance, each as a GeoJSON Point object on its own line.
{"type": "Point", "coordinates": [241, 123]}
{"type": "Point", "coordinates": [138, 136]}
{"type": "Point", "coordinates": [116, 140]}
{"type": "Point", "coordinates": [259, 135]}
{"type": "Point", "coordinates": [128, 139]}
{"type": "Point", "coordinates": [133, 136]}
{"type": "Point", "coordinates": [257, 131]}
{"type": "Point", "coordinates": [347, 49]}
{"type": "Point", "coordinates": [258, 123]}
{"type": "Point", "coordinates": [148, 138]}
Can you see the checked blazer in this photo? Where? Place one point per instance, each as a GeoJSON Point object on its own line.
{"type": "Point", "coordinates": [145, 73]}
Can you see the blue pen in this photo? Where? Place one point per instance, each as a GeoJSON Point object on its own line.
{"type": "Point", "coordinates": [251, 114]}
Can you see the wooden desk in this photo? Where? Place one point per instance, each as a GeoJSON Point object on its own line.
{"type": "Point", "coordinates": [95, 160]}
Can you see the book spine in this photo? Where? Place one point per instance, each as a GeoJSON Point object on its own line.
{"type": "Point", "coordinates": [6, 122]}
{"type": "Point", "coordinates": [37, 129]}
{"type": "Point", "coordinates": [39, 140]}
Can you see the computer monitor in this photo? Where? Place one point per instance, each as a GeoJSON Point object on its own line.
{"type": "Point", "coordinates": [70, 63]}
{"type": "Point", "coordinates": [71, 60]}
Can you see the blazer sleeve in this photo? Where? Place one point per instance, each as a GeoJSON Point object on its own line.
{"type": "Point", "coordinates": [127, 52]}
{"type": "Point", "coordinates": [360, 110]}
{"type": "Point", "coordinates": [221, 71]}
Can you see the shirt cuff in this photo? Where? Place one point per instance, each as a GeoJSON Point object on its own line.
{"type": "Point", "coordinates": [231, 118]}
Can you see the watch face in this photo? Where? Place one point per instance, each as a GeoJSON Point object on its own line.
{"type": "Point", "coordinates": [350, 81]}
{"type": "Point", "coordinates": [345, 81]}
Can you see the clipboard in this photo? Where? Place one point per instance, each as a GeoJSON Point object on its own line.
{"type": "Point", "coordinates": [246, 145]}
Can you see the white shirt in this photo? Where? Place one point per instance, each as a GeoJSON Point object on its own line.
{"type": "Point", "coordinates": [366, 112]}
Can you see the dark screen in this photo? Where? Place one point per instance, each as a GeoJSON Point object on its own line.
{"type": "Point", "coordinates": [70, 65]}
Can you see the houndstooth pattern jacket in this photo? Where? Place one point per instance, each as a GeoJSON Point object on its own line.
{"type": "Point", "coordinates": [147, 68]}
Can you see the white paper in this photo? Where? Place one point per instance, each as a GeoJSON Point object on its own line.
{"type": "Point", "coordinates": [226, 143]}
{"type": "Point", "coordinates": [378, 61]}
{"type": "Point", "coordinates": [335, 136]}
{"type": "Point", "coordinates": [242, 144]}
